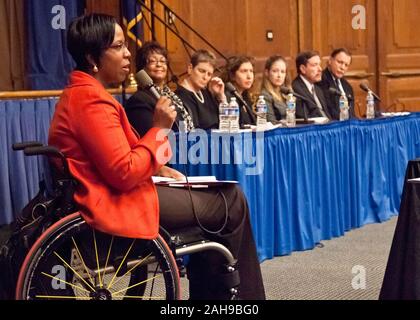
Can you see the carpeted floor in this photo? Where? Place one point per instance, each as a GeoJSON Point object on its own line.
{"type": "Point", "coordinates": [327, 273]}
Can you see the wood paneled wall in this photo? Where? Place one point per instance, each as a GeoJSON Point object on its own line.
{"type": "Point", "coordinates": [386, 54]}
{"type": "Point", "coordinates": [399, 54]}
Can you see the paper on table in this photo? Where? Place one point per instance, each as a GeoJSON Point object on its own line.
{"type": "Point", "coordinates": [320, 120]}
{"type": "Point", "coordinates": [190, 179]}
{"type": "Point", "coordinates": [194, 182]}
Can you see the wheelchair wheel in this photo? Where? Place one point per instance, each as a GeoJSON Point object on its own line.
{"type": "Point", "coordinates": [73, 261]}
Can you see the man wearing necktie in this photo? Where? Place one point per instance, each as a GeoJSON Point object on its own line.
{"type": "Point", "coordinates": [308, 65]}
{"type": "Point", "coordinates": [333, 76]}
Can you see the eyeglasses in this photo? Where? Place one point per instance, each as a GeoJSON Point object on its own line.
{"type": "Point", "coordinates": [155, 61]}
{"type": "Point", "coordinates": [119, 46]}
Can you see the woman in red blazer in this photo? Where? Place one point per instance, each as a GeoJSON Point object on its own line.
{"type": "Point", "coordinates": [114, 165]}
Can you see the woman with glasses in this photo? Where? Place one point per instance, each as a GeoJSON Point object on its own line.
{"type": "Point", "coordinates": [114, 164]}
{"type": "Point", "coordinates": [275, 76]}
{"type": "Point", "coordinates": [153, 59]}
{"type": "Point", "coordinates": [202, 92]}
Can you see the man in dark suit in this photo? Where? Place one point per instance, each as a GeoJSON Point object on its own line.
{"type": "Point", "coordinates": [333, 77]}
{"type": "Point", "coordinates": [308, 66]}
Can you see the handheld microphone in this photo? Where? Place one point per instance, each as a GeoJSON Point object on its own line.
{"type": "Point", "coordinates": [364, 87]}
{"type": "Point", "coordinates": [338, 93]}
{"type": "Point", "coordinates": [231, 88]}
{"type": "Point", "coordinates": [145, 82]}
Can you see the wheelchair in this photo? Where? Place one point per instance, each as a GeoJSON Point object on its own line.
{"type": "Point", "coordinates": [69, 260]}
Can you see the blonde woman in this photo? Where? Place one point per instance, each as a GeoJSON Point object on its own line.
{"type": "Point", "coordinates": [275, 76]}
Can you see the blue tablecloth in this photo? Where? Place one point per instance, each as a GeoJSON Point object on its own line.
{"type": "Point", "coordinates": [317, 182]}
{"type": "Point", "coordinates": [303, 184]}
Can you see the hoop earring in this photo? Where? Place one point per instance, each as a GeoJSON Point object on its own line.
{"type": "Point", "coordinates": [95, 68]}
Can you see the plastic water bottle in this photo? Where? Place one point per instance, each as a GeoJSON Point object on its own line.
{"type": "Point", "coordinates": [344, 107]}
{"type": "Point", "coordinates": [291, 110]}
{"type": "Point", "coordinates": [234, 115]}
{"type": "Point", "coordinates": [224, 119]}
{"type": "Point", "coordinates": [370, 105]}
{"type": "Point", "coordinates": [261, 111]}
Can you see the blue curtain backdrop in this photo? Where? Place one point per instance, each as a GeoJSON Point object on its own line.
{"type": "Point", "coordinates": [133, 20]}
{"type": "Point", "coordinates": [46, 25]}
{"type": "Point", "coordinates": [21, 120]}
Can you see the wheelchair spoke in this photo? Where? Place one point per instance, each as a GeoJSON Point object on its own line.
{"type": "Point", "coordinates": [61, 280]}
{"type": "Point", "coordinates": [74, 271]}
{"type": "Point", "coordinates": [107, 256]}
{"type": "Point", "coordinates": [81, 258]}
{"type": "Point", "coordinates": [135, 285]}
{"type": "Point", "coordinates": [64, 297]}
{"type": "Point", "coordinates": [119, 267]}
{"type": "Point", "coordinates": [97, 258]}
{"type": "Point", "coordinates": [57, 266]}
{"type": "Point", "coordinates": [135, 266]}
{"type": "Point", "coordinates": [140, 297]}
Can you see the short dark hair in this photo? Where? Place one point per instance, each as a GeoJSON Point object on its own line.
{"type": "Point", "coordinates": [203, 56]}
{"type": "Point", "coordinates": [90, 35]}
{"type": "Point", "coordinates": [303, 57]}
{"type": "Point", "coordinates": [339, 50]}
{"type": "Point", "coordinates": [147, 49]}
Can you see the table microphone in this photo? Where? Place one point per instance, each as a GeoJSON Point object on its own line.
{"type": "Point", "coordinates": [286, 90]}
{"type": "Point", "coordinates": [364, 87]}
{"type": "Point", "coordinates": [338, 93]}
{"type": "Point", "coordinates": [231, 88]}
{"type": "Point", "coordinates": [145, 82]}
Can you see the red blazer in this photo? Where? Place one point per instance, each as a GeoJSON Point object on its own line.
{"type": "Point", "coordinates": [112, 164]}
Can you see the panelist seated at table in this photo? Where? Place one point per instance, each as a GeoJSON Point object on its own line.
{"type": "Point", "coordinates": [239, 71]}
{"type": "Point", "coordinates": [333, 77]}
{"type": "Point", "coordinates": [308, 66]}
{"type": "Point", "coordinates": [140, 107]}
{"type": "Point", "coordinates": [275, 76]}
{"type": "Point", "coordinates": [201, 92]}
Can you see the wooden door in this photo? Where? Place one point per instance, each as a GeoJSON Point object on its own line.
{"type": "Point", "coordinates": [237, 27]}
{"type": "Point", "coordinates": [399, 54]}
{"type": "Point", "coordinates": [328, 24]}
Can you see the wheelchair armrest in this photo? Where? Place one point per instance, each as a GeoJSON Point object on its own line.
{"type": "Point", "coordinates": [48, 151]}
{"type": "Point", "coordinates": [188, 235]}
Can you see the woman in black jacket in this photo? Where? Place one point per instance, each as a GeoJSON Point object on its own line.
{"type": "Point", "coordinates": [201, 92]}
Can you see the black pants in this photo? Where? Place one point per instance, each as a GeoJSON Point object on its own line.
{"type": "Point", "coordinates": [204, 267]}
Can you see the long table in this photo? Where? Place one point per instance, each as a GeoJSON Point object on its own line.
{"type": "Point", "coordinates": [314, 182]}
{"type": "Point", "coordinates": [303, 184]}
